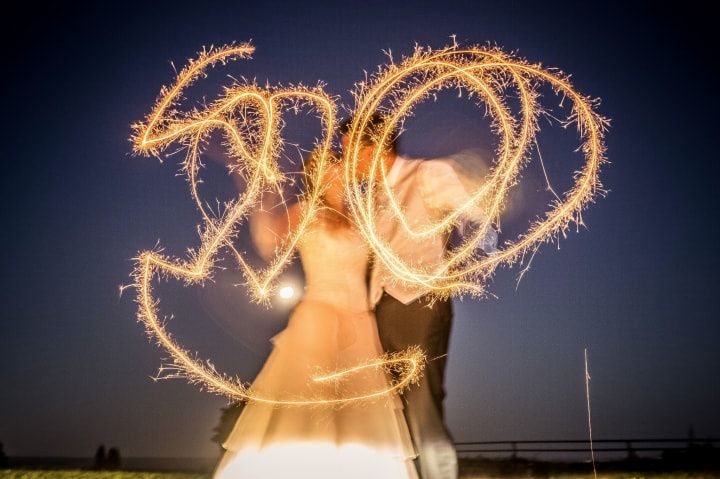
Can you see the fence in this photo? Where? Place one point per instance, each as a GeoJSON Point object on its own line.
{"type": "Point", "coordinates": [631, 447]}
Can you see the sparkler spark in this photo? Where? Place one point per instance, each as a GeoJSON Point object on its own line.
{"type": "Point", "coordinates": [251, 119]}
{"type": "Point", "coordinates": [487, 73]}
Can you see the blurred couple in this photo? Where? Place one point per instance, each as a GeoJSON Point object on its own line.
{"type": "Point", "coordinates": [353, 311]}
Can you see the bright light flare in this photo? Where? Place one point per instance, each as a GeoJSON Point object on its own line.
{"type": "Point", "coordinates": [286, 292]}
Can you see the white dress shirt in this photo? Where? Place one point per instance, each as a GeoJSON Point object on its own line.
{"type": "Point", "coordinates": [426, 191]}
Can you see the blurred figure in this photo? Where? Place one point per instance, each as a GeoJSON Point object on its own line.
{"type": "Point", "coordinates": [3, 458]}
{"type": "Point", "coordinates": [113, 459]}
{"type": "Point", "coordinates": [330, 329]}
{"type": "Point", "coordinates": [99, 462]}
{"type": "Point", "coordinates": [426, 190]}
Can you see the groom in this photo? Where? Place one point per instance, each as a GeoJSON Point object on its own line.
{"type": "Point", "coordinates": [426, 190]}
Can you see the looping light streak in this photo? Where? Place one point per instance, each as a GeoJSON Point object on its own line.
{"type": "Point", "coordinates": [255, 152]}
{"type": "Point", "coordinates": [251, 119]}
{"type": "Point", "coordinates": [487, 73]}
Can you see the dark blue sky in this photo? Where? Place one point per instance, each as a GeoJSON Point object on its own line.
{"type": "Point", "coordinates": [637, 287]}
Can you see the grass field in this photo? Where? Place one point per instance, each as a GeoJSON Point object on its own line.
{"type": "Point", "coordinates": [81, 474]}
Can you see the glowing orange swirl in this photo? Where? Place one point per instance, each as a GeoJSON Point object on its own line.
{"type": "Point", "coordinates": [487, 72]}
{"type": "Point", "coordinates": [255, 147]}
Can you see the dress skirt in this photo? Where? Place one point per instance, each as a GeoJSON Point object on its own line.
{"type": "Point", "coordinates": [314, 434]}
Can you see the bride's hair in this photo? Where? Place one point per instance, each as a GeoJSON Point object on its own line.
{"type": "Point", "coordinates": [374, 126]}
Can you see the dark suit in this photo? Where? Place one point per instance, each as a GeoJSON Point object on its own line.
{"type": "Point", "coordinates": [401, 326]}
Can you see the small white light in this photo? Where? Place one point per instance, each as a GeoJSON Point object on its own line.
{"type": "Point", "coordinates": [286, 292]}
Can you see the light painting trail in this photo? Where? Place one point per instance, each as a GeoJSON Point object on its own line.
{"type": "Point", "coordinates": [255, 144]}
{"type": "Point", "coordinates": [250, 118]}
{"type": "Point", "coordinates": [487, 73]}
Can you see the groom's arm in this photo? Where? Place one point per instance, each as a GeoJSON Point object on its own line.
{"type": "Point", "coordinates": [444, 192]}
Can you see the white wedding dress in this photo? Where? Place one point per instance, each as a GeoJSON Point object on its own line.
{"type": "Point", "coordinates": [329, 330]}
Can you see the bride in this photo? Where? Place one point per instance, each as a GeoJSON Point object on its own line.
{"type": "Point", "coordinates": [330, 329]}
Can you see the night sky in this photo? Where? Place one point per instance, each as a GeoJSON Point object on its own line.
{"type": "Point", "coordinates": [637, 287]}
